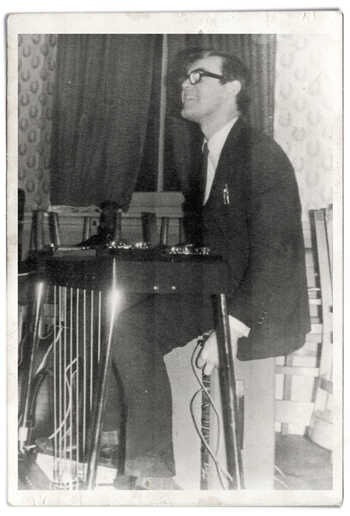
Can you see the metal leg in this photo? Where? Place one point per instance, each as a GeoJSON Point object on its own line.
{"type": "Point", "coordinates": [24, 420]}
{"type": "Point", "coordinates": [99, 403]}
{"type": "Point", "coordinates": [228, 396]}
{"type": "Point", "coordinates": [204, 482]}
{"type": "Point", "coordinates": [164, 231]}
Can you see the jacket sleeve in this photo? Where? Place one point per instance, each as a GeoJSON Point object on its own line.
{"type": "Point", "coordinates": [273, 218]}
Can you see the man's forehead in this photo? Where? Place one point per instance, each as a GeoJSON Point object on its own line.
{"type": "Point", "coordinates": [210, 64]}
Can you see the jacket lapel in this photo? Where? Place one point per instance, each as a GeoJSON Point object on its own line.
{"type": "Point", "coordinates": [228, 158]}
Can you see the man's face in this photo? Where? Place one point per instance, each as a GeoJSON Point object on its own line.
{"type": "Point", "coordinates": [207, 98]}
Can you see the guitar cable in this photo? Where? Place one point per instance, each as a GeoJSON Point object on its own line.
{"type": "Point", "coordinates": [222, 472]}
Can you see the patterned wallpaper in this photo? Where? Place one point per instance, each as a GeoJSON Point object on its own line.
{"type": "Point", "coordinates": [303, 114]}
{"type": "Point", "coordinates": [36, 67]}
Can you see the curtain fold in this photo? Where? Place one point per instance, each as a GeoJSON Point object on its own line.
{"type": "Point", "coordinates": [100, 120]}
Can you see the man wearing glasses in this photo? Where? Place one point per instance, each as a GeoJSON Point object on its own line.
{"type": "Point", "coordinates": [250, 213]}
{"type": "Point", "coordinates": [247, 210]}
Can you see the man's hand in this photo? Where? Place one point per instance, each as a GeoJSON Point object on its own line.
{"type": "Point", "coordinates": [209, 357]}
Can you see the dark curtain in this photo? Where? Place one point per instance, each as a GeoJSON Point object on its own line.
{"type": "Point", "coordinates": [147, 177]}
{"type": "Point", "coordinates": [100, 117]}
{"type": "Point", "coordinates": [182, 139]}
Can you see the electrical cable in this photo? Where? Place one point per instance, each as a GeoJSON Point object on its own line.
{"type": "Point", "coordinates": [220, 469]}
{"type": "Point", "coordinates": [279, 480]}
{"type": "Point", "coordinates": [48, 334]}
{"type": "Point", "coordinates": [45, 357]}
{"type": "Point", "coordinates": [69, 408]}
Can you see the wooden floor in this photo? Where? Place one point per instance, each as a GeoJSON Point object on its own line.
{"type": "Point", "coordinates": [304, 465]}
{"type": "Point", "coordinates": [300, 465]}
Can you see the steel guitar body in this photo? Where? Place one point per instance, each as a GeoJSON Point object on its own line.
{"type": "Point", "coordinates": [79, 283]}
{"type": "Point", "coordinates": [140, 271]}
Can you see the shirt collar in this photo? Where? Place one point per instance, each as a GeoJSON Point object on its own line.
{"type": "Point", "coordinates": [216, 142]}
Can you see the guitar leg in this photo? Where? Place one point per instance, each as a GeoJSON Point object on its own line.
{"type": "Point", "coordinates": [24, 419]}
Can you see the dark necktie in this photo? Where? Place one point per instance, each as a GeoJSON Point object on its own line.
{"type": "Point", "coordinates": [203, 185]}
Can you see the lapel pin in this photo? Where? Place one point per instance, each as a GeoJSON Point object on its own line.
{"type": "Point", "coordinates": [226, 195]}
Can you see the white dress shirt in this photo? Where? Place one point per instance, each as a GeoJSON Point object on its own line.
{"type": "Point", "coordinates": [215, 145]}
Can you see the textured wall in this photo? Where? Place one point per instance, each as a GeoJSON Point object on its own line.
{"type": "Point", "coordinates": [36, 66]}
{"type": "Point", "coordinates": [303, 114]}
{"type": "Point", "coordinates": [303, 127]}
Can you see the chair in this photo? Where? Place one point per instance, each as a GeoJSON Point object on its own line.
{"type": "Point", "coordinates": [44, 222]}
{"type": "Point", "coordinates": [169, 227]}
{"type": "Point", "coordinates": [321, 428]}
{"type": "Point", "coordinates": [312, 363]}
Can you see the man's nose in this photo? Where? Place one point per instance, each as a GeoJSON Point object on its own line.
{"type": "Point", "coordinates": [186, 83]}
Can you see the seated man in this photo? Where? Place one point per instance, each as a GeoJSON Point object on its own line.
{"type": "Point", "coordinates": [249, 213]}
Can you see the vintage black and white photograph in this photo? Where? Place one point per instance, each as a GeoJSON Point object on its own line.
{"type": "Point", "coordinates": [175, 188]}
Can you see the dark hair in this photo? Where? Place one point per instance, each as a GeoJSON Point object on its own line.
{"type": "Point", "coordinates": [233, 69]}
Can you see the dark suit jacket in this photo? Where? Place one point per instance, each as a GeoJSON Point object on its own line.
{"type": "Point", "coordinates": [259, 233]}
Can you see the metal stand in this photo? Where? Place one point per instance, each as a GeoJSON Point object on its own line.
{"type": "Point", "coordinates": [99, 403]}
{"type": "Point", "coordinates": [228, 396]}
{"type": "Point", "coordinates": [25, 416]}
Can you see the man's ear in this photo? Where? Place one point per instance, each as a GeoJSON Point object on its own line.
{"type": "Point", "coordinates": [235, 87]}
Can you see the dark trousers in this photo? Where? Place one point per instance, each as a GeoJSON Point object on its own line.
{"type": "Point", "coordinates": [146, 331]}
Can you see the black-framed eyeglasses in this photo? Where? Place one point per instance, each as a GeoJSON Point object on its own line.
{"type": "Point", "coordinates": [196, 75]}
